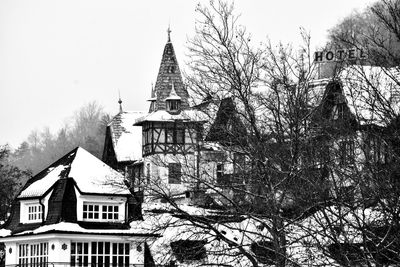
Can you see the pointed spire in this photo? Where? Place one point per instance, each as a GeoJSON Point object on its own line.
{"type": "Point", "coordinates": [169, 33]}
{"type": "Point", "coordinates": [120, 102]}
{"type": "Point", "coordinates": [169, 73]}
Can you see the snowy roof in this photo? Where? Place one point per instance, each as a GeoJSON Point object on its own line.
{"type": "Point", "coordinates": [217, 253]}
{"type": "Point", "coordinates": [162, 115]}
{"type": "Point", "coordinates": [90, 174]}
{"type": "Point", "coordinates": [307, 239]}
{"type": "Point", "coordinates": [372, 92]}
{"type": "Point", "coordinates": [173, 95]}
{"type": "Point", "coordinates": [76, 228]}
{"type": "Point", "coordinates": [126, 138]}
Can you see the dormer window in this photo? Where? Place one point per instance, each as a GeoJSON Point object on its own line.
{"type": "Point", "coordinates": [173, 101]}
{"type": "Point", "coordinates": [31, 211]}
{"type": "Point", "coordinates": [173, 105]}
{"type": "Point", "coordinates": [34, 213]}
{"type": "Point", "coordinates": [100, 212]}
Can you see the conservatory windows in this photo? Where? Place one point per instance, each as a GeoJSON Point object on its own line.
{"type": "Point", "coordinates": [99, 254]}
{"type": "Point", "coordinates": [33, 254]}
{"type": "Point", "coordinates": [100, 212]}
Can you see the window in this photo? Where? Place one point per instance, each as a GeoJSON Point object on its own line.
{"type": "Point", "coordinates": [220, 173]}
{"type": "Point", "coordinates": [100, 212]}
{"type": "Point", "coordinates": [346, 152]}
{"type": "Point", "coordinates": [109, 212]}
{"type": "Point", "coordinates": [99, 254]}
{"type": "Point", "coordinates": [222, 177]}
{"type": "Point", "coordinates": [169, 135]}
{"type": "Point", "coordinates": [35, 213]}
{"type": "Point", "coordinates": [338, 111]}
{"type": "Point", "coordinates": [175, 135]}
{"type": "Point", "coordinates": [173, 105]}
{"type": "Point", "coordinates": [180, 136]}
{"type": "Point", "coordinates": [239, 162]}
{"type": "Point", "coordinates": [377, 150]}
{"type": "Point", "coordinates": [174, 173]}
{"type": "Point", "coordinates": [33, 254]}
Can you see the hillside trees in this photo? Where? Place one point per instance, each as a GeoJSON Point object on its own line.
{"type": "Point", "coordinates": [11, 179]}
{"type": "Point", "coordinates": [375, 29]}
{"type": "Point", "coordinates": [86, 128]}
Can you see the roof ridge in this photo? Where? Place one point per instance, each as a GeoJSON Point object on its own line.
{"type": "Point", "coordinates": [46, 170]}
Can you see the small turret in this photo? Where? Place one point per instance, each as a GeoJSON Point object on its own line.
{"type": "Point", "coordinates": [173, 101]}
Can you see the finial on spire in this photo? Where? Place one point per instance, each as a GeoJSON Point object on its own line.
{"type": "Point", "coordinates": [120, 101]}
{"type": "Point", "coordinates": [169, 33]}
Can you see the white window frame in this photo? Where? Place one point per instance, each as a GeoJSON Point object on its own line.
{"type": "Point", "coordinates": [96, 211]}
{"type": "Point", "coordinates": [35, 212]}
{"type": "Point", "coordinates": [88, 253]}
{"type": "Point", "coordinates": [114, 200]}
{"type": "Point", "coordinates": [33, 254]}
{"type": "Point", "coordinates": [32, 211]}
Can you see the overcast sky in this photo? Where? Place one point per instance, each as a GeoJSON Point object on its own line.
{"type": "Point", "coordinates": [56, 56]}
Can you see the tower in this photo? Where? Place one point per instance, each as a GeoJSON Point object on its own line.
{"type": "Point", "coordinates": [171, 130]}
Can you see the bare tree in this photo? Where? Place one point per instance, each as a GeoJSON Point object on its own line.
{"type": "Point", "coordinates": [260, 101]}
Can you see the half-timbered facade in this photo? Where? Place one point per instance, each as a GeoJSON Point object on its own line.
{"type": "Point", "coordinates": [171, 132]}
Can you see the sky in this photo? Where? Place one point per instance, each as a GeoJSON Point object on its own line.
{"type": "Point", "coordinates": [58, 55]}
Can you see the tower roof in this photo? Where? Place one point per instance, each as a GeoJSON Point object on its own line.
{"type": "Point", "coordinates": [169, 78]}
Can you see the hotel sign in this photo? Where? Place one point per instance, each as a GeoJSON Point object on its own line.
{"type": "Point", "coordinates": [339, 55]}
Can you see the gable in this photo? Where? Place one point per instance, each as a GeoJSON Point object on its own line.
{"type": "Point", "coordinates": [333, 112]}
{"type": "Point", "coordinates": [227, 128]}
{"type": "Point", "coordinates": [123, 142]}
{"type": "Point", "coordinates": [109, 155]}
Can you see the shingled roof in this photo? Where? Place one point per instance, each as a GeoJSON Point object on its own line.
{"type": "Point", "coordinates": [124, 137]}
{"type": "Point", "coordinates": [169, 76]}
